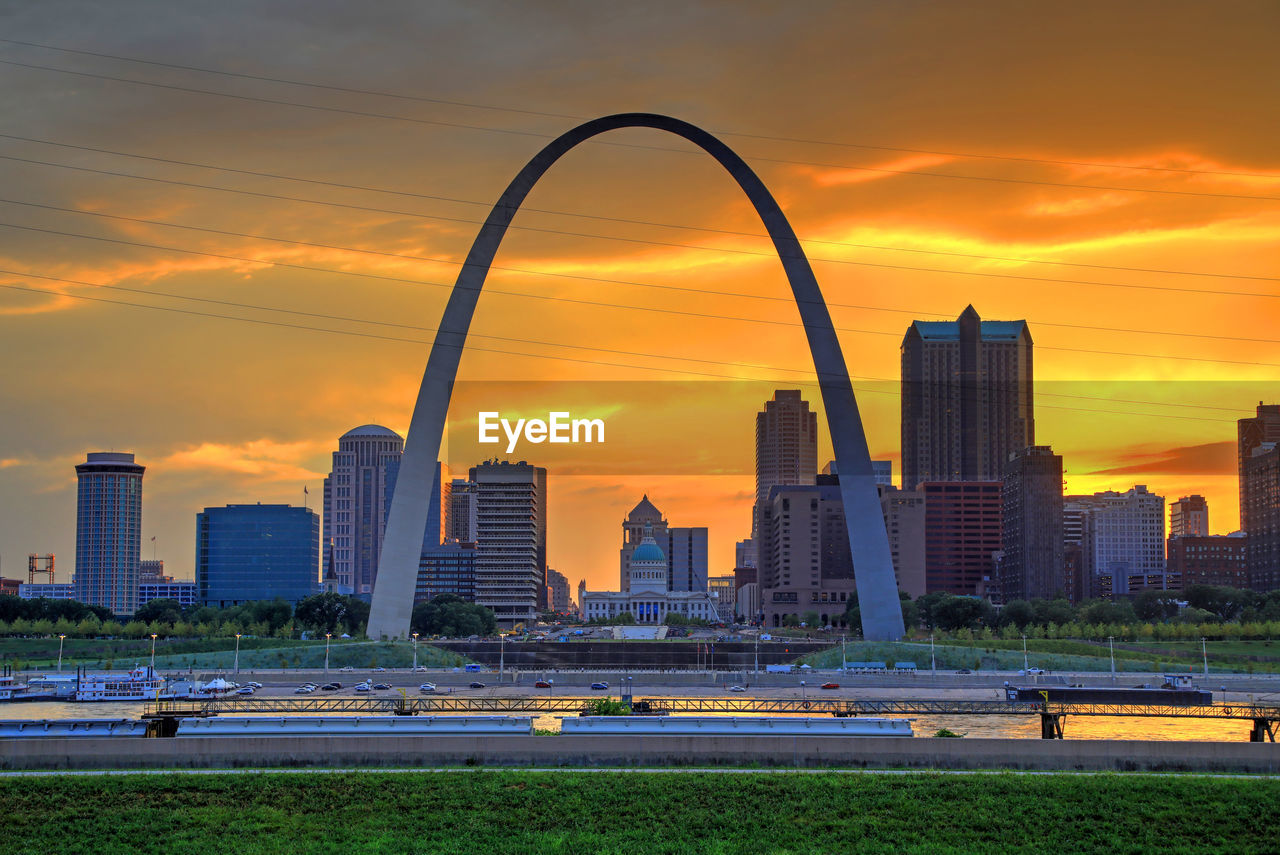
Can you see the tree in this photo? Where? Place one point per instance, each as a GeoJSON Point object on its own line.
{"type": "Point", "coordinates": [164, 611]}
{"type": "Point", "coordinates": [452, 616]}
{"type": "Point", "coordinates": [1019, 613]}
{"type": "Point", "coordinates": [321, 612]}
{"type": "Point", "coordinates": [675, 619]}
{"type": "Point", "coordinates": [811, 619]}
{"type": "Point", "coordinates": [1155, 605]}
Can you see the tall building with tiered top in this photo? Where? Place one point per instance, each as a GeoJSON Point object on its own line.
{"type": "Point", "coordinates": [355, 499]}
{"type": "Point", "coordinates": [966, 398]}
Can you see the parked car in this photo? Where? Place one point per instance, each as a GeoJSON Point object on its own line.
{"type": "Point", "coordinates": [254, 683]}
{"type": "Point", "coordinates": [600, 687]}
{"type": "Point", "coordinates": [964, 671]}
{"type": "Point", "coordinates": [427, 687]}
{"type": "Point", "coordinates": [346, 668]}
{"type": "Point", "coordinates": [476, 684]}
{"type": "Point", "coordinates": [381, 687]}
{"type": "Point", "coordinates": [304, 690]}
{"type": "Point", "coordinates": [331, 687]}
{"type": "Point", "coordinates": [737, 688]}
{"type": "Point", "coordinates": [379, 669]}
{"type": "Point", "coordinates": [421, 668]}
{"type": "Point", "coordinates": [363, 687]}
{"type": "Point", "coordinates": [245, 690]}
{"type": "Point", "coordinates": [830, 685]}
{"type": "Point", "coordinates": [542, 684]}
{"type": "Point", "coordinates": [1033, 671]}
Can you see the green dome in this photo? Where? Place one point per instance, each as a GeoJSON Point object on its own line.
{"type": "Point", "coordinates": [649, 551]}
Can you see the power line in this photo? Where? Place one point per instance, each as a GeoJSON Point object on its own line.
{"type": "Point", "coordinates": [542, 342]}
{"type": "Point", "coordinates": [745, 135]}
{"type": "Point", "coordinates": [559, 299]}
{"type": "Point", "coordinates": [515, 132]}
{"type": "Point", "coordinates": [520, 353]}
{"type": "Point", "coordinates": [579, 301]}
{"type": "Point", "coordinates": [373, 209]}
{"type": "Point", "coordinates": [580, 277]}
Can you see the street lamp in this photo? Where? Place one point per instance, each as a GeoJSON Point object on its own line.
{"type": "Point", "coordinates": [153, 654]}
{"type": "Point", "coordinates": [1111, 643]}
{"type": "Point", "coordinates": [1025, 665]}
{"type": "Point", "coordinates": [60, 638]}
{"type": "Point", "coordinates": [551, 686]}
{"type": "Point", "coordinates": [327, 636]}
{"type": "Point", "coordinates": [415, 651]}
{"type": "Point", "coordinates": [802, 697]}
{"type": "Point", "coordinates": [933, 660]}
{"type": "Point", "coordinates": [1205, 653]}
{"type": "Point", "coordinates": [236, 667]}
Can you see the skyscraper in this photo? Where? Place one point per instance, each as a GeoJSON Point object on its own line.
{"type": "Point", "coordinates": [966, 398]}
{"type": "Point", "coordinates": [1122, 540]}
{"type": "Point", "coordinates": [108, 531]}
{"type": "Point", "coordinates": [355, 499]}
{"type": "Point", "coordinates": [786, 449]}
{"type": "Point", "coordinates": [460, 520]}
{"type": "Point", "coordinates": [686, 549]}
{"type": "Point", "coordinates": [1033, 543]}
{"type": "Point", "coordinates": [511, 539]}
{"type": "Point", "coordinates": [1261, 515]}
{"type": "Point", "coordinates": [256, 552]}
{"type": "Point", "coordinates": [1189, 517]}
{"type": "Point", "coordinates": [805, 560]}
{"type": "Point", "coordinates": [1250, 433]}
{"type": "Point", "coordinates": [962, 523]}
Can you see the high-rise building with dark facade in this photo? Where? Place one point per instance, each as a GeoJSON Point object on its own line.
{"type": "Point", "coordinates": [511, 539]}
{"type": "Point", "coordinates": [108, 531]}
{"type": "Point", "coordinates": [437, 507]}
{"type": "Point", "coordinates": [355, 503]}
{"type": "Point", "coordinates": [966, 398]}
{"type": "Point", "coordinates": [962, 528]}
{"type": "Point", "coordinates": [786, 449]}
{"type": "Point", "coordinates": [460, 520]}
{"type": "Point", "coordinates": [1250, 433]}
{"type": "Point", "coordinates": [447, 568]}
{"type": "Point", "coordinates": [1032, 534]}
{"type": "Point", "coordinates": [1189, 517]}
{"type": "Point", "coordinates": [1261, 515]}
{"type": "Point", "coordinates": [1209, 560]}
{"type": "Point", "coordinates": [686, 549]}
{"type": "Point", "coordinates": [246, 553]}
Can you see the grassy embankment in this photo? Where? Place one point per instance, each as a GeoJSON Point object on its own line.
{"type": "Point", "coordinates": [1063, 655]}
{"type": "Point", "coordinates": [217, 653]}
{"type": "Point", "coordinates": [572, 812]}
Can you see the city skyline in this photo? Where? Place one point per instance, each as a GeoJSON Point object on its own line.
{"type": "Point", "coordinates": [225, 412]}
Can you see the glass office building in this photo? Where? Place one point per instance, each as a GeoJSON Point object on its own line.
{"type": "Point", "coordinates": [108, 531]}
{"type": "Point", "coordinates": [256, 552]}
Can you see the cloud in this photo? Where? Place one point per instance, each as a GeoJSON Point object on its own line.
{"type": "Point", "coordinates": [840, 176]}
{"type": "Point", "coordinates": [1213, 458]}
{"type": "Point", "coordinates": [265, 459]}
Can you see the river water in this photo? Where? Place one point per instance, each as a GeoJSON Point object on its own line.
{"type": "Point", "coordinates": [980, 726]}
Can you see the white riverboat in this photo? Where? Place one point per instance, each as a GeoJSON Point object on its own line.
{"type": "Point", "coordinates": [140, 684]}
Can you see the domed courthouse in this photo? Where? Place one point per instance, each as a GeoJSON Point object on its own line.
{"type": "Point", "coordinates": [648, 598]}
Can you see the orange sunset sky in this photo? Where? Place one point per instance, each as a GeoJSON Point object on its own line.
{"type": "Point", "coordinates": [1109, 172]}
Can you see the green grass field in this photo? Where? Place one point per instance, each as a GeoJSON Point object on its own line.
{"type": "Point", "coordinates": [1063, 655]}
{"type": "Point", "coordinates": [620, 812]}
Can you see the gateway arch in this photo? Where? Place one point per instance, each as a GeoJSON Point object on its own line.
{"type": "Point", "coordinates": [402, 543]}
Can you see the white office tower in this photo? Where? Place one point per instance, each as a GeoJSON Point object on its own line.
{"type": "Point", "coordinates": [511, 539]}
